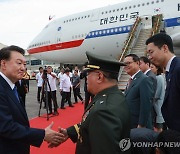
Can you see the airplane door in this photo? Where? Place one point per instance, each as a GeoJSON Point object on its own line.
{"type": "Point", "coordinates": [95, 15]}
{"type": "Point", "coordinates": [147, 22]}
{"type": "Point", "coordinates": [58, 36]}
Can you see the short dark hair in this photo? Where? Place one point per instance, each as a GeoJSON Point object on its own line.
{"type": "Point", "coordinates": [160, 39]}
{"type": "Point", "coordinates": [40, 68]}
{"type": "Point", "coordinates": [5, 52]}
{"type": "Point", "coordinates": [145, 60]}
{"type": "Point", "coordinates": [134, 57]}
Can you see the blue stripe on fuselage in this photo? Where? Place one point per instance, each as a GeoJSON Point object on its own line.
{"type": "Point", "coordinates": [172, 22]}
{"type": "Point", "coordinates": [126, 29]}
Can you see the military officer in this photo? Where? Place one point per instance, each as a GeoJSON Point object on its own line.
{"type": "Point", "coordinates": [106, 120]}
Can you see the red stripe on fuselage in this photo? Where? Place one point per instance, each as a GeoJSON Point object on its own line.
{"type": "Point", "coordinates": [57, 46]}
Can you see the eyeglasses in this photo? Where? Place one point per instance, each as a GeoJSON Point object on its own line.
{"type": "Point", "coordinates": [128, 63]}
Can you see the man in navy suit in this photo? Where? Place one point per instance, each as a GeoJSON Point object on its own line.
{"type": "Point", "coordinates": [161, 53]}
{"type": "Point", "coordinates": [16, 136]}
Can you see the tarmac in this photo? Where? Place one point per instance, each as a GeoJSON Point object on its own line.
{"type": "Point", "coordinates": [32, 105]}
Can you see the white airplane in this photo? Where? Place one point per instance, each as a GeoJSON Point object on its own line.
{"type": "Point", "coordinates": [103, 30]}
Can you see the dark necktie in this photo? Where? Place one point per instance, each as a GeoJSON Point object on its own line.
{"type": "Point", "coordinates": [15, 92]}
{"type": "Point", "coordinates": [167, 76]}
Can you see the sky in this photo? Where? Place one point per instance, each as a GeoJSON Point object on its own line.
{"type": "Point", "coordinates": [22, 20]}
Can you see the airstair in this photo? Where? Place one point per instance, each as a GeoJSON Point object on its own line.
{"type": "Point", "coordinates": [142, 29]}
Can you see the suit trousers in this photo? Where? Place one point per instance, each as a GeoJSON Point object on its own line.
{"type": "Point", "coordinates": [76, 92]}
{"type": "Point", "coordinates": [52, 97]}
{"type": "Point", "coordinates": [38, 93]}
{"type": "Point", "coordinates": [66, 96]}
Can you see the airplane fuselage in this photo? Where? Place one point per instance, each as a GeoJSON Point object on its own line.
{"type": "Point", "coordinates": [102, 30]}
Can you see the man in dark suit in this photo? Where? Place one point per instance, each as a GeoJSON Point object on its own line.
{"type": "Point", "coordinates": [145, 68]}
{"type": "Point", "coordinates": [106, 120]}
{"type": "Point", "coordinates": [139, 94]}
{"type": "Point", "coordinates": [16, 136]}
{"type": "Point", "coordinates": [22, 89]}
{"type": "Point", "coordinates": [161, 53]}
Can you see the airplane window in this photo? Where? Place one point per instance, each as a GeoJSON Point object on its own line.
{"type": "Point", "coordinates": [82, 35]}
{"type": "Point", "coordinates": [143, 4]}
{"type": "Point", "coordinates": [120, 29]}
{"type": "Point", "coordinates": [162, 0]}
{"type": "Point", "coordinates": [129, 27]}
{"type": "Point", "coordinates": [84, 16]}
{"type": "Point", "coordinates": [121, 9]}
{"type": "Point", "coordinates": [88, 16]}
{"type": "Point", "coordinates": [139, 5]}
{"type": "Point", "coordinates": [134, 6]}
{"type": "Point", "coordinates": [106, 12]}
{"type": "Point", "coordinates": [108, 31]}
{"type": "Point", "coordinates": [104, 31]}
{"type": "Point", "coordinates": [72, 19]}
{"type": "Point", "coordinates": [69, 20]}
{"type": "Point", "coordinates": [112, 30]}
{"type": "Point", "coordinates": [79, 35]}
{"type": "Point", "coordinates": [117, 9]}
{"type": "Point", "coordinates": [157, 1]}
{"type": "Point", "coordinates": [110, 11]}
{"type": "Point", "coordinates": [100, 32]}
{"type": "Point", "coordinates": [125, 8]}
{"type": "Point", "coordinates": [89, 34]}
{"type": "Point", "coordinates": [116, 29]}
{"type": "Point", "coordinates": [102, 13]}
{"type": "Point", "coordinates": [124, 28]}
{"type": "Point", "coordinates": [96, 33]}
{"type": "Point", "coordinates": [92, 33]}
{"type": "Point", "coordinates": [113, 10]}
{"type": "Point", "coordinates": [66, 20]}
{"type": "Point", "coordinates": [152, 2]}
{"type": "Point", "coordinates": [147, 3]}
{"type": "Point", "coordinates": [129, 7]}
{"type": "Point", "coordinates": [79, 18]}
{"type": "Point", "coordinates": [75, 18]}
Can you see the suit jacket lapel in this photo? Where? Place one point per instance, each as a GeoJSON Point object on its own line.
{"type": "Point", "coordinates": [133, 82]}
{"type": "Point", "coordinates": [13, 97]}
{"type": "Point", "coordinates": [172, 66]}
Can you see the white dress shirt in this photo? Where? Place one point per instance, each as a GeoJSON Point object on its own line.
{"type": "Point", "coordinates": [39, 79]}
{"type": "Point", "coordinates": [52, 82]}
{"type": "Point", "coordinates": [65, 83]}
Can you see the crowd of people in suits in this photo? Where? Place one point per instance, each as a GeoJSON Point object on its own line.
{"type": "Point", "coordinates": [147, 111]}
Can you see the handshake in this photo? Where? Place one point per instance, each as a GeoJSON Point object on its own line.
{"type": "Point", "coordinates": [54, 138]}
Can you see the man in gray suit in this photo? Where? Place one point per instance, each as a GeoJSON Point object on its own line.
{"type": "Point", "coordinates": [138, 94]}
